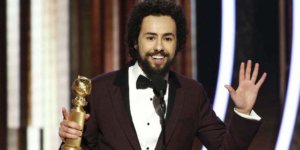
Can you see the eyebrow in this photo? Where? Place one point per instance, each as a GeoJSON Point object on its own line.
{"type": "Point", "coordinates": [165, 34]}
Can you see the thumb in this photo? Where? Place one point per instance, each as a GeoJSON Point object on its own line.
{"type": "Point", "coordinates": [230, 90]}
{"type": "Point", "coordinates": [65, 113]}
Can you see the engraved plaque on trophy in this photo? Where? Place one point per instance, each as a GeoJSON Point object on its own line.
{"type": "Point", "coordinates": [81, 87]}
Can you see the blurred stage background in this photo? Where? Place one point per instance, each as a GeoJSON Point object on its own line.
{"type": "Point", "coordinates": [45, 44]}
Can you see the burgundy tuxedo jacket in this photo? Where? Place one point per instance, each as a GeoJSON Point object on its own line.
{"type": "Point", "coordinates": [189, 116]}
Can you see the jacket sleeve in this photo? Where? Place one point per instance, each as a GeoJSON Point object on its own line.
{"type": "Point", "coordinates": [216, 135]}
{"type": "Point", "coordinates": [91, 133]}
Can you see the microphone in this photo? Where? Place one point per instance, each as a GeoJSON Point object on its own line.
{"type": "Point", "coordinates": [159, 88]}
{"type": "Point", "coordinates": [159, 85]}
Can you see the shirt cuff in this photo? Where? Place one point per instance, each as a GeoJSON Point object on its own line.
{"type": "Point", "coordinates": [251, 116]}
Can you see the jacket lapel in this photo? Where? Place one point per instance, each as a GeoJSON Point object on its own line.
{"type": "Point", "coordinates": [120, 101]}
{"type": "Point", "coordinates": [175, 105]}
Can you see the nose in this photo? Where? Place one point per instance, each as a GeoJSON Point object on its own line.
{"type": "Point", "coordinates": [159, 46]}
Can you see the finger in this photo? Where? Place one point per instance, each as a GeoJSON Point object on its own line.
{"type": "Point", "coordinates": [261, 80]}
{"type": "Point", "coordinates": [71, 124]}
{"type": "Point", "coordinates": [71, 136]}
{"type": "Point", "coordinates": [61, 135]}
{"type": "Point", "coordinates": [242, 72]}
{"type": "Point", "coordinates": [65, 113]}
{"type": "Point", "coordinates": [71, 131]}
{"type": "Point", "coordinates": [248, 70]}
{"type": "Point", "coordinates": [87, 116]}
{"type": "Point", "coordinates": [65, 135]}
{"type": "Point", "coordinates": [255, 72]}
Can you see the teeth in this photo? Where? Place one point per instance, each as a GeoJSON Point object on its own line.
{"type": "Point", "coordinates": [158, 57]}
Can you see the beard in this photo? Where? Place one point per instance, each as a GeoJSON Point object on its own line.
{"type": "Point", "coordinates": [151, 71]}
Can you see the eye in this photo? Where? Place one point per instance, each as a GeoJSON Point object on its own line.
{"type": "Point", "coordinates": [169, 39]}
{"type": "Point", "coordinates": [150, 38]}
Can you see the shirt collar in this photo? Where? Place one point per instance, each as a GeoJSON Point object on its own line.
{"type": "Point", "coordinates": [137, 70]}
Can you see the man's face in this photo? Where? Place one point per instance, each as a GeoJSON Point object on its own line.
{"type": "Point", "coordinates": [157, 44]}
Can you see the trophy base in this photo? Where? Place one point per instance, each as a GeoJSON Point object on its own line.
{"type": "Point", "coordinates": [66, 147]}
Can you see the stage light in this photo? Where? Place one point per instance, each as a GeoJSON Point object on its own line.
{"type": "Point", "coordinates": [226, 57]}
{"type": "Point", "coordinates": [292, 97]}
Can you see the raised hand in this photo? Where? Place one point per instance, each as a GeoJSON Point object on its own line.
{"type": "Point", "coordinates": [244, 97]}
{"type": "Point", "coordinates": [69, 129]}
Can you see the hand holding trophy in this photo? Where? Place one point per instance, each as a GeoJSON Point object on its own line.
{"type": "Point", "coordinates": [81, 87]}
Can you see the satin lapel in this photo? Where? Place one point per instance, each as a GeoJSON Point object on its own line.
{"type": "Point", "coordinates": [120, 100]}
{"type": "Point", "coordinates": [173, 120]}
{"type": "Point", "coordinates": [175, 105]}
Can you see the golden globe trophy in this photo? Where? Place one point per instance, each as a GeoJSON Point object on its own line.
{"type": "Point", "coordinates": [81, 87]}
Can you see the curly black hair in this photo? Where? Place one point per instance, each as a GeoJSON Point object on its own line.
{"type": "Point", "coordinates": [155, 8]}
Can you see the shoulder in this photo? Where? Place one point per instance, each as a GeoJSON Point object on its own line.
{"type": "Point", "coordinates": [104, 80]}
{"type": "Point", "coordinates": [192, 89]}
{"type": "Point", "coordinates": [187, 82]}
{"type": "Point", "coordinates": [105, 77]}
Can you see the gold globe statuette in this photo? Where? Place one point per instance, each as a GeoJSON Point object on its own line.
{"type": "Point", "coordinates": [81, 87]}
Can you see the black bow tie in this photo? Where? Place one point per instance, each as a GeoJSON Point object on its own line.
{"type": "Point", "coordinates": [143, 82]}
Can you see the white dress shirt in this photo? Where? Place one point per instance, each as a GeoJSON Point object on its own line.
{"type": "Point", "coordinates": [146, 121]}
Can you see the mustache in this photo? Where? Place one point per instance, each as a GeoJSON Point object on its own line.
{"type": "Point", "coordinates": [162, 53]}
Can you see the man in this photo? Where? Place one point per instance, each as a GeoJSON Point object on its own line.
{"type": "Point", "coordinates": [124, 115]}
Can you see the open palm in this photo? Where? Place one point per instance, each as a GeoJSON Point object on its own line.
{"type": "Point", "coordinates": [244, 97]}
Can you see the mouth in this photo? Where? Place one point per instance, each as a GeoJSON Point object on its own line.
{"type": "Point", "coordinates": [156, 62]}
{"type": "Point", "coordinates": [158, 59]}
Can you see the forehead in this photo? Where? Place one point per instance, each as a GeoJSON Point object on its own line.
{"type": "Point", "coordinates": [158, 24]}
